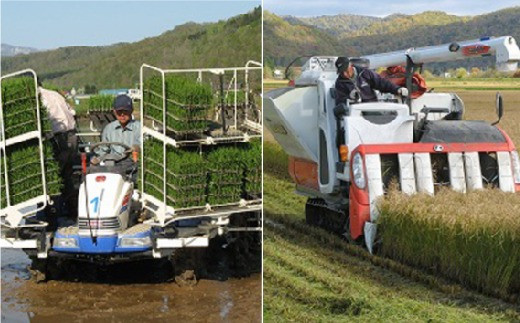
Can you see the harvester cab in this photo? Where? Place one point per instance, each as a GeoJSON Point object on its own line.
{"type": "Point", "coordinates": [345, 157]}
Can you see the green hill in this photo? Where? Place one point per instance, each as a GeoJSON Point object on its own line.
{"type": "Point", "coordinates": [225, 43]}
{"type": "Point", "coordinates": [499, 23]}
{"type": "Point", "coordinates": [346, 25]}
{"type": "Point", "coordinates": [336, 25]}
{"type": "Point", "coordinates": [398, 23]}
{"type": "Point", "coordinates": [284, 41]}
{"type": "Point", "coordinates": [396, 32]}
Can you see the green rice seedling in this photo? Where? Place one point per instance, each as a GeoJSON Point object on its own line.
{"type": "Point", "coordinates": [226, 175]}
{"type": "Point", "coordinates": [472, 238]}
{"type": "Point", "coordinates": [153, 168]}
{"type": "Point", "coordinates": [186, 175]}
{"type": "Point", "coordinates": [3, 192]}
{"type": "Point", "coordinates": [230, 97]}
{"type": "Point", "coordinates": [52, 170]}
{"type": "Point", "coordinates": [18, 106]}
{"type": "Point", "coordinates": [53, 178]}
{"type": "Point", "coordinates": [187, 102]}
{"type": "Point", "coordinates": [252, 162]}
{"type": "Point", "coordinates": [100, 103]}
{"type": "Point", "coordinates": [186, 178]}
{"type": "Point", "coordinates": [24, 172]}
{"type": "Point", "coordinates": [223, 175]}
{"type": "Point", "coordinates": [23, 159]}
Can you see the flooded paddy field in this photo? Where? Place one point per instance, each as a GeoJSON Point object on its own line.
{"type": "Point", "coordinates": [130, 292]}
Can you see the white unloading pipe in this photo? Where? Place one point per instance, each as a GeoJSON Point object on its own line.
{"type": "Point", "coordinates": [503, 48]}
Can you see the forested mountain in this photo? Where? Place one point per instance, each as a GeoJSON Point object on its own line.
{"type": "Point", "coordinates": [284, 41]}
{"type": "Point", "coordinates": [399, 23]}
{"type": "Point", "coordinates": [399, 32]}
{"type": "Point", "coordinates": [345, 25]}
{"type": "Point", "coordinates": [336, 25]}
{"type": "Point", "coordinates": [225, 43]}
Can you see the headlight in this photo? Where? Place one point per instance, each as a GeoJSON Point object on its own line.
{"type": "Point", "coordinates": [516, 166]}
{"type": "Point", "coordinates": [66, 242]}
{"type": "Point", "coordinates": [358, 171]}
{"type": "Point", "coordinates": [136, 242]}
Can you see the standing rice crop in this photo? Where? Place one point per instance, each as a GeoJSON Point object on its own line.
{"type": "Point", "coordinates": [473, 238]}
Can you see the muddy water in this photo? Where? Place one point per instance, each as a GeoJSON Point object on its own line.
{"type": "Point", "coordinates": [24, 300]}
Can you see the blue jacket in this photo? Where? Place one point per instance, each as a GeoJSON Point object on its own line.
{"type": "Point", "coordinates": [366, 81]}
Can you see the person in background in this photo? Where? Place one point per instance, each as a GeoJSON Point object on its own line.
{"type": "Point", "coordinates": [356, 82]}
{"type": "Point", "coordinates": [64, 141]}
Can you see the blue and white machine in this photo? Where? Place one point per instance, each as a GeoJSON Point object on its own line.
{"type": "Point", "coordinates": [116, 221]}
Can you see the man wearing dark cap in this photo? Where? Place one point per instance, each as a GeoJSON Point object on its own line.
{"type": "Point", "coordinates": [354, 82]}
{"type": "Point", "coordinates": [125, 129]}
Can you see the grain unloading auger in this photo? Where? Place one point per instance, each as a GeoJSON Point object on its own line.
{"type": "Point", "coordinates": [344, 157]}
{"type": "Point", "coordinates": [118, 220]}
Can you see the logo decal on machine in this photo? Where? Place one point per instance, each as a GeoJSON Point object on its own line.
{"type": "Point", "coordinates": [124, 205]}
{"type": "Point", "coordinates": [438, 148]}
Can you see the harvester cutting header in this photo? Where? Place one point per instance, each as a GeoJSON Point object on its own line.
{"type": "Point", "coordinates": [344, 155]}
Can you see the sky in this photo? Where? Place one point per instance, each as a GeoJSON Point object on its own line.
{"type": "Point", "coordinates": [53, 24]}
{"type": "Point", "coordinates": [381, 8]}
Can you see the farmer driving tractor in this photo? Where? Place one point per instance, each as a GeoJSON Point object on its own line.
{"type": "Point", "coordinates": [121, 135]}
{"type": "Point", "coordinates": [125, 129]}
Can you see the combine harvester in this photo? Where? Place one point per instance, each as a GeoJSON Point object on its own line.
{"type": "Point", "coordinates": [344, 157]}
{"type": "Point", "coordinates": [116, 221]}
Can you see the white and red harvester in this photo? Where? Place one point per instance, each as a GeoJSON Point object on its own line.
{"type": "Point", "coordinates": [343, 157]}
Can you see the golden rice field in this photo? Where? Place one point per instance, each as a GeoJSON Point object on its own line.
{"type": "Point", "coordinates": [473, 238]}
{"type": "Point", "coordinates": [460, 264]}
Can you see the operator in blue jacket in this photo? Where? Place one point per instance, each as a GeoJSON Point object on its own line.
{"type": "Point", "coordinates": [356, 81]}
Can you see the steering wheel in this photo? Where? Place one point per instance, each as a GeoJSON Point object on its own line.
{"type": "Point", "coordinates": [113, 157]}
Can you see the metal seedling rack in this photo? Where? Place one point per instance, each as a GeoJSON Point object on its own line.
{"type": "Point", "coordinates": [222, 195]}
{"type": "Point", "coordinates": [28, 134]}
